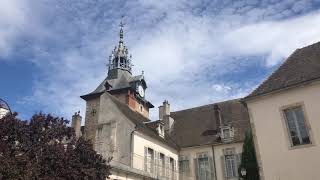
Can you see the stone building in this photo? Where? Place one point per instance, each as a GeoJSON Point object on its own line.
{"type": "Point", "coordinates": [199, 143]}
{"type": "Point", "coordinates": [284, 113]}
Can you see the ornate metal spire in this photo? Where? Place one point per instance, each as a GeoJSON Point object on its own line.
{"type": "Point", "coordinates": [120, 58]}
{"type": "Point", "coordinates": [121, 30]}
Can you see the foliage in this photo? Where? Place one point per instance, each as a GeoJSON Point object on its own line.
{"type": "Point", "coordinates": [248, 159]}
{"type": "Point", "coordinates": [46, 148]}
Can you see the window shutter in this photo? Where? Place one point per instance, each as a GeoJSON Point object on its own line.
{"type": "Point", "coordinates": [145, 158]}
{"type": "Point", "coordinates": [223, 165]}
{"type": "Point", "coordinates": [195, 161]}
{"type": "Point", "coordinates": [211, 168]}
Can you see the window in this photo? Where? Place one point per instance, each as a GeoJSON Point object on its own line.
{"type": "Point", "coordinates": [231, 166]}
{"type": "Point", "coordinates": [226, 133]}
{"type": "Point", "coordinates": [160, 130]}
{"type": "Point", "coordinates": [296, 125]}
{"type": "Point", "coordinates": [172, 168]}
{"type": "Point", "coordinates": [184, 166]}
{"type": "Point", "coordinates": [149, 160]}
{"type": "Point", "coordinates": [203, 167]}
{"type": "Point", "coordinates": [231, 162]}
{"type": "Point", "coordinates": [162, 165]}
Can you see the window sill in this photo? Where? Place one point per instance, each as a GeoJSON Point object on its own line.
{"type": "Point", "coordinates": [301, 146]}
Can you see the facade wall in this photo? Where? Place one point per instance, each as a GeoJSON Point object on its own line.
{"type": "Point", "coordinates": [217, 167]}
{"type": "Point", "coordinates": [219, 155]}
{"type": "Point", "coordinates": [141, 141]}
{"type": "Point", "coordinates": [91, 118]}
{"type": "Point", "coordinates": [115, 140]}
{"type": "Point", "coordinates": [191, 154]}
{"type": "Point", "coordinates": [278, 159]}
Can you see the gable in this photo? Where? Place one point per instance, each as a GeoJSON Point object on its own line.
{"type": "Point", "coordinates": [301, 67]}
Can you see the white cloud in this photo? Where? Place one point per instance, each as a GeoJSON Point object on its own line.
{"type": "Point", "coordinates": [277, 39]}
{"type": "Point", "coordinates": [12, 19]}
{"type": "Point", "coordinates": [182, 46]}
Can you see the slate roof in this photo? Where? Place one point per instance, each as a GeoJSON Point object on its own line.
{"type": "Point", "coordinates": [198, 126]}
{"type": "Point", "coordinates": [301, 67]}
{"type": "Point", "coordinates": [119, 83]}
{"type": "Point", "coordinates": [139, 120]}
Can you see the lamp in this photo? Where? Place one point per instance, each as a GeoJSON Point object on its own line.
{"type": "Point", "coordinates": [243, 172]}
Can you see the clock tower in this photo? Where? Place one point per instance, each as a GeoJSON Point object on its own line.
{"type": "Point", "coordinates": [121, 83]}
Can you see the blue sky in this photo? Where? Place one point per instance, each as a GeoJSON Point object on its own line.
{"type": "Point", "coordinates": [192, 52]}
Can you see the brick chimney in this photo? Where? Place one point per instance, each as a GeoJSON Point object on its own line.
{"type": "Point", "coordinates": [76, 123]}
{"type": "Point", "coordinates": [164, 115]}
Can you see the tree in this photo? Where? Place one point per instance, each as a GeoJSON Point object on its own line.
{"type": "Point", "coordinates": [248, 159]}
{"type": "Point", "coordinates": [46, 148]}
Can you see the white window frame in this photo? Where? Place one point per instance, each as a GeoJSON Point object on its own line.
{"type": "Point", "coordinates": [184, 165]}
{"type": "Point", "coordinates": [230, 132]}
{"type": "Point", "coordinates": [200, 157]}
{"type": "Point", "coordinates": [306, 123]}
{"type": "Point", "coordinates": [231, 166]}
{"type": "Point", "coordinates": [150, 160]}
{"type": "Point", "coordinates": [162, 165]}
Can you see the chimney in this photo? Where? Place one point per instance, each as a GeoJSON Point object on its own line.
{"type": "Point", "coordinates": [76, 123]}
{"type": "Point", "coordinates": [164, 115]}
{"type": "Point", "coordinates": [164, 110]}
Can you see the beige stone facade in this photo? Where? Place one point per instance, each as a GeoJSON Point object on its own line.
{"type": "Point", "coordinates": [278, 158]}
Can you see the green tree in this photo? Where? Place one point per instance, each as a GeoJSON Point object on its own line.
{"type": "Point", "coordinates": [249, 159]}
{"type": "Point", "coordinates": [46, 148]}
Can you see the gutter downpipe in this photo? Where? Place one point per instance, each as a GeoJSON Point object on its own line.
{"type": "Point", "coordinates": [214, 163]}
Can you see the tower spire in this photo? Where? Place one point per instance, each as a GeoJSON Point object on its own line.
{"type": "Point", "coordinates": [120, 58]}
{"type": "Point", "coordinates": [121, 25]}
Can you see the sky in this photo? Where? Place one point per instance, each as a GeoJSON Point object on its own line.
{"type": "Point", "coordinates": [192, 52]}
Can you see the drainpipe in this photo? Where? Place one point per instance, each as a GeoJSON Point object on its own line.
{"type": "Point", "coordinates": [214, 163]}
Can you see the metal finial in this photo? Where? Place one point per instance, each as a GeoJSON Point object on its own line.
{"type": "Point", "coordinates": [121, 29]}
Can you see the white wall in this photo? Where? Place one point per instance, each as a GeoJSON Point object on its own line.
{"type": "Point", "coordinates": [192, 153]}
{"type": "Point", "coordinates": [140, 141]}
{"type": "Point", "coordinates": [278, 159]}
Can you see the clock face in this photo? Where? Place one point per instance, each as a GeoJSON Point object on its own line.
{"type": "Point", "coordinates": [141, 91]}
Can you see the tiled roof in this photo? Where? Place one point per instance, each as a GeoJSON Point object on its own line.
{"type": "Point", "coordinates": [301, 67]}
{"type": "Point", "coordinates": [199, 125]}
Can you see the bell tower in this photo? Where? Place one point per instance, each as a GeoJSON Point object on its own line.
{"type": "Point", "coordinates": [120, 60]}
{"type": "Point", "coordinates": [120, 82]}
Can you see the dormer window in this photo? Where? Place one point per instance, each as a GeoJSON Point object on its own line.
{"type": "Point", "coordinates": [227, 133]}
{"type": "Point", "coordinates": [161, 130]}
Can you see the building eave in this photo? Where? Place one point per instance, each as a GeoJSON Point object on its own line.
{"type": "Point", "coordinates": [305, 83]}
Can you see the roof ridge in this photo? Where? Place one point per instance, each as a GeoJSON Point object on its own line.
{"type": "Point", "coordinates": [271, 75]}
{"type": "Point", "coordinates": [283, 77]}
{"type": "Point", "coordinates": [202, 106]}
